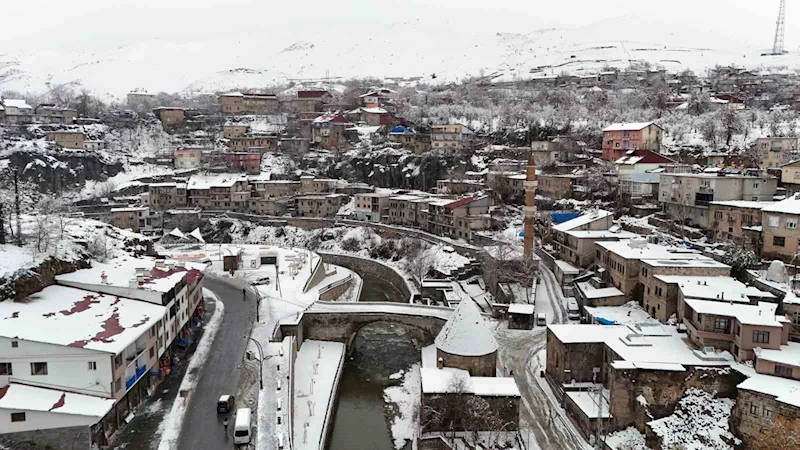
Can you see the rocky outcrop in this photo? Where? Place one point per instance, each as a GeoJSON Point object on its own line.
{"type": "Point", "coordinates": [60, 171]}
{"type": "Point", "coordinates": [394, 169]}
{"type": "Point", "coordinates": [25, 282]}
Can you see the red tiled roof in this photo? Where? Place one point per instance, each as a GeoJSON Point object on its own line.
{"type": "Point", "coordinates": [650, 157]}
{"type": "Point", "coordinates": [311, 94]}
{"type": "Point", "coordinates": [463, 201]}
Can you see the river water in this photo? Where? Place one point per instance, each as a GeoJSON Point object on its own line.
{"type": "Point", "coordinates": [380, 349]}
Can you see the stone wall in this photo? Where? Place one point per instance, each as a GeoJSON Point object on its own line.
{"type": "Point", "coordinates": [67, 438]}
{"type": "Point", "coordinates": [578, 358]}
{"type": "Point", "coordinates": [451, 408]}
{"type": "Point", "coordinates": [747, 425]}
{"type": "Point", "coordinates": [343, 327]}
{"type": "Point", "coordinates": [363, 266]}
{"type": "Point", "coordinates": [477, 366]}
{"type": "Point", "coordinates": [336, 290]}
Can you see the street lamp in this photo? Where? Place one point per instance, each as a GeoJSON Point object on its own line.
{"type": "Point", "coordinates": [258, 302]}
{"type": "Point", "coordinates": [260, 362]}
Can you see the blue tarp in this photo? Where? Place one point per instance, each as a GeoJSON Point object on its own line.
{"type": "Point", "coordinates": [561, 217]}
{"type": "Point", "coordinates": [605, 321]}
{"type": "Point", "coordinates": [402, 129]}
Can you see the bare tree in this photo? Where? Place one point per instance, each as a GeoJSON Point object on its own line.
{"type": "Point", "coordinates": [419, 261]}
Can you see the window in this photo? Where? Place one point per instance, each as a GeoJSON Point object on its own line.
{"type": "Point", "coordinates": [718, 215]}
{"type": "Point", "coordinates": [778, 241]}
{"type": "Point", "coordinates": [761, 336]}
{"type": "Point", "coordinates": [755, 185]}
{"type": "Point", "coordinates": [18, 417]}
{"type": "Point", "coordinates": [152, 352]}
{"type": "Point", "coordinates": [721, 323]}
{"type": "Point", "coordinates": [39, 368]}
{"type": "Point", "coordinates": [92, 365]}
{"type": "Point", "coordinates": [118, 360]}
{"type": "Point", "coordinates": [791, 224]}
{"type": "Point", "coordinates": [14, 344]}
{"type": "Point", "coordinates": [783, 371]}
{"type": "Point", "coordinates": [773, 221]}
{"type": "Point", "coordinates": [117, 385]}
{"type": "Point", "coordinates": [753, 409]}
{"type": "Point", "coordinates": [5, 369]}
{"type": "Point", "coordinates": [767, 413]}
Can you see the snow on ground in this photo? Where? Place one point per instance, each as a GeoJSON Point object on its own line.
{"type": "Point", "coordinates": [170, 428]}
{"type": "Point", "coordinates": [699, 422]}
{"type": "Point", "coordinates": [406, 397]}
{"type": "Point", "coordinates": [122, 180]}
{"type": "Point", "coordinates": [318, 367]}
{"type": "Point", "coordinates": [627, 439]}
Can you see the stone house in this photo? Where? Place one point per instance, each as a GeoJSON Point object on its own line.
{"type": "Point", "coordinates": [274, 188]}
{"type": "Point", "coordinates": [233, 130]}
{"type": "Point", "coordinates": [780, 234]}
{"type": "Point", "coordinates": [267, 206]}
{"type": "Point", "coordinates": [621, 137]}
{"type": "Point", "coordinates": [459, 186]}
{"type": "Point", "coordinates": [170, 117]}
{"type": "Point", "coordinates": [457, 219]}
{"type": "Point", "coordinates": [245, 161]}
{"type": "Point", "coordinates": [16, 111]}
{"type": "Point", "coordinates": [410, 139]}
{"type": "Point", "coordinates": [135, 218]}
{"type": "Point", "coordinates": [50, 113]}
{"type": "Point", "coordinates": [224, 191]}
{"type": "Point", "coordinates": [660, 295]}
{"type": "Point", "coordinates": [237, 103]}
{"type": "Point", "coordinates": [167, 195]}
{"type": "Point", "coordinates": [67, 139]}
{"type": "Point", "coordinates": [188, 158]}
{"type": "Point", "coordinates": [405, 209]}
{"type": "Point", "coordinates": [328, 130]}
{"type": "Point", "coordinates": [790, 176]}
{"type": "Point", "coordinates": [687, 197]}
{"type": "Point", "coordinates": [556, 186]}
{"type": "Point", "coordinates": [595, 220]}
{"type": "Point", "coordinates": [732, 218]}
{"type": "Point", "coordinates": [326, 205]}
{"type": "Point", "coordinates": [245, 143]}
{"type": "Point", "coordinates": [309, 184]}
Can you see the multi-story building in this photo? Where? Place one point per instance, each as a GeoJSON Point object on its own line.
{"type": "Point", "coordinates": [233, 130]}
{"type": "Point", "coordinates": [556, 186]}
{"type": "Point", "coordinates": [578, 247]}
{"type": "Point", "coordinates": [410, 139]}
{"type": "Point", "coordinates": [375, 116]}
{"type": "Point", "coordinates": [67, 139]}
{"type": "Point", "coordinates": [171, 117]}
{"type": "Point", "coordinates": [659, 297]}
{"type": "Point", "coordinates": [246, 161]}
{"type": "Point", "coordinates": [327, 130]}
{"type": "Point", "coordinates": [188, 157]}
{"type": "Point", "coordinates": [459, 186]}
{"type": "Point", "coordinates": [621, 137]}
{"type": "Point", "coordinates": [326, 205]}
{"type": "Point", "coordinates": [134, 218]}
{"type": "Point", "coordinates": [261, 142]}
{"type": "Point", "coordinates": [687, 197]}
{"type": "Point", "coordinates": [639, 162]}
{"type": "Point", "coordinates": [307, 101]}
{"type": "Point", "coordinates": [457, 219]}
{"type": "Point", "coordinates": [790, 177]}
{"type": "Point", "coordinates": [451, 139]}
{"type": "Point", "coordinates": [404, 209]}
{"type": "Point", "coordinates": [167, 195]}
{"type": "Point", "coordinates": [780, 234]}
{"type": "Point", "coordinates": [50, 113]}
{"type": "Point", "coordinates": [309, 184]}
{"type": "Point", "coordinates": [223, 191]}
{"type": "Point", "coordinates": [371, 206]}
{"type": "Point", "coordinates": [777, 151]}
{"type": "Point", "coordinates": [16, 111]}
{"type": "Point", "coordinates": [732, 218]}
{"type": "Point", "coordinates": [273, 188]}
{"type": "Point", "coordinates": [237, 103]}
{"type": "Point", "coordinates": [141, 101]}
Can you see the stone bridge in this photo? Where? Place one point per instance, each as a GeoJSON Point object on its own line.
{"type": "Point", "coordinates": [340, 322]}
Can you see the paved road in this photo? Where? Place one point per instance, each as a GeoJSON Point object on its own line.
{"type": "Point", "coordinates": [202, 426]}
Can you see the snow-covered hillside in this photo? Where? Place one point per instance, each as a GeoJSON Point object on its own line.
{"type": "Point", "coordinates": [259, 57]}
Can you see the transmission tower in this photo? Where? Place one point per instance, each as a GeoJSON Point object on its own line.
{"type": "Point", "coordinates": [780, 30]}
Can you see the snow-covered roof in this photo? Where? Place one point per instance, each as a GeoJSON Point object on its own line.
{"type": "Point", "coordinates": [212, 181]}
{"type": "Point", "coordinates": [602, 234]}
{"type": "Point", "coordinates": [789, 206]}
{"type": "Point", "coordinates": [78, 318]}
{"type": "Point", "coordinates": [701, 262]}
{"type": "Point", "coordinates": [590, 292]}
{"type": "Point", "coordinates": [762, 314]}
{"type": "Point", "coordinates": [520, 308]}
{"type": "Point", "coordinates": [785, 390]}
{"type": "Point", "coordinates": [16, 103]}
{"type": "Point", "coordinates": [566, 267]}
{"type": "Point", "coordinates": [714, 288]}
{"type": "Point", "coordinates": [439, 381]}
{"type": "Point", "coordinates": [582, 220]}
{"type": "Point", "coordinates": [119, 273]}
{"type": "Point", "coordinates": [129, 209]}
{"type": "Point", "coordinates": [788, 354]}
{"type": "Point", "coordinates": [591, 404]}
{"type": "Point", "coordinates": [374, 110]}
{"type": "Point", "coordinates": [634, 126]}
{"type": "Point", "coordinates": [466, 334]}
{"type": "Point", "coordinates": [21, 397]}
{"type": "Point", "coordinates": [640, 249]}
{"type": "Point", "coordinates": [644, 344]}
{"type": "Point", "coordinates": [621, 315]}
{"type": "Point", "coordinates": [744, 204]}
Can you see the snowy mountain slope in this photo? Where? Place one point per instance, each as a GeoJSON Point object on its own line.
{"type": "Point", "coordinates": [417, 48]}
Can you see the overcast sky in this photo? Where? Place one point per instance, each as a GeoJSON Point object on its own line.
{"type": "Point", "coordinates": [90, 24]}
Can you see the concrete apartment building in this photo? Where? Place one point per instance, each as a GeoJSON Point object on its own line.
{"type": "Point", "coordinates": [371, 206]}
{"type": "Point", "coordinates": [451, 139]}
{"type": "Point", "coordinates": [660, 296]}
{"type": "Point", "coordinates": [790, 176]}
{"type": "Point", "coordinates": [556, 186]}
{"type": "Point", "coordinates": [67, 139]}
{"type": "Point", "coordinates": [457, 219]}
{"type": "Point", "coordinates": [578, 247]}
{"type": "Point", "coordinates": [322, 205]}
{"type": "Point", "coordinates": [780, 234]}
{"type": "Point", "coordinates": [50, 113]}
{"type": "Point", "coordinates": [186, 158]}
{"type": "Point", "coordinates": [237, 103]}
{"type": "Point", "coordinates": [619, 138]}
{"type": "Point", "coordinates": [247, 142]}
{"type": "Point", "coordinates": [404, 210]}
{"type": "Point", "coordinates": [16, 111]}
{"type": "Point", "coordinates": [135, 219]}
{"type": "Point", "coordinates": [410, 139]}
{"type": "Point", "coordinates": [777, 151]}
{"type": "Point", "coordinates": [687, 197]}
{"type": "Point", "coordinates": [734, 217]}
{"type": "Point", "coordinates": [167, 195]}
{"type": "Point", "coordinates": [328, 129]}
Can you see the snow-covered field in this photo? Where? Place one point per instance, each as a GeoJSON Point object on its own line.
{"type": "Point", "coordinates": [406, 397]}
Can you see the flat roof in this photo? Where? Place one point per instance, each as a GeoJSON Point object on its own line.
{"type": "Point", "coordinates": [641, 249]}
{"type": "Point", "coordinates": [591, 404]}
{"type": "Point", "coordinates": [79, 318]}
{"type": "Point", "coordinates": [789, 206]}
{"type": "Point", "coordinates": [588, 234]}
{"type": "Point", "coordinates": [582, 220]}
{"type": "Point", "coordinates": [621, 315]}
{"type": "Point", "coordinates": [744, 204]}
{"type": "Point", "coordinates": [784, 390]}
{"type": "Point", "coordinates": [566, 267]}
{"type": "Point", "coordinates": [21, 397]}
{"type": "Point", "coordinates": [714, 288]}
{"type": "Point", "coordinates": [762, 314]}
{"type": "Point", "coordinates": [520, 308]}
{"type": "Point", "coordinates": [708, 262]}
{"type": "Point", "coordinates": [787, 354]}
{"type": "Point", "coordinates": [119, 272]}
{"type": "Point", "coordinates": [438, 381]}
{"type": "Point", "coordinates": [591, 292]}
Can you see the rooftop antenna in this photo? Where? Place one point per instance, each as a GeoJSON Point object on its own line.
{"type": "Point", "coordinates": [780, 30]}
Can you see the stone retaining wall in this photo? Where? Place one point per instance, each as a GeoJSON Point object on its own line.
{"type": "Point", "coordinates": [363, 266]}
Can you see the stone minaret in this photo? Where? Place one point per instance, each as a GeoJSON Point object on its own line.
{"type": "Point", "coordinates": [529, 210]}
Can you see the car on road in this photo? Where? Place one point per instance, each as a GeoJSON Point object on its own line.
{"type": "Point", "coordinates": [241, 430]}
{"type": "Point", "coordinates": [573, 310]}
{"type": "Point", "coordinates": [225, 403]}
{"type": "Point", "coordinates": [541, 320]}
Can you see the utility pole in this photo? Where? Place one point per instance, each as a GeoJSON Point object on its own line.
{"type": "Point", "coordinates": [16, 207]}
{"type": "Point", "coordinates": [780, 30]}
{"type": "Point", "coordinates": [260, 363]}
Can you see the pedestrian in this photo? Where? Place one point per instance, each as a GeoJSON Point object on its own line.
{"type": "Point", "coordinates": [225, 424]}
{"type": "Point", "coordinates": [244, 294]}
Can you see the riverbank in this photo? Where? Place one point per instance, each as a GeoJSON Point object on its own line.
{"type": "Point", "coordinates": [318, 370]}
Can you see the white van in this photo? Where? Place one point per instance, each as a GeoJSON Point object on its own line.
{"type": "Point", "coordinates": [241, 430]}
{"type": "Point", "coordinates": [573, 310]}
{"type": "Point", "coordinates": [541, 320]}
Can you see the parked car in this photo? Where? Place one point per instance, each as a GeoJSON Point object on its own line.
{"type": "Point", "coordinates": [225, 404]}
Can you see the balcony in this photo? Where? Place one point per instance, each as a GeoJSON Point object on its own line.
{"type": "Point", "coordinates": [130, 381]}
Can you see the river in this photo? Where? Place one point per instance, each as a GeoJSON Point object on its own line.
{"type": "Point", "coordinates": [362, 418]}
{"type": "Point", "coordinates": [375, 289]}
